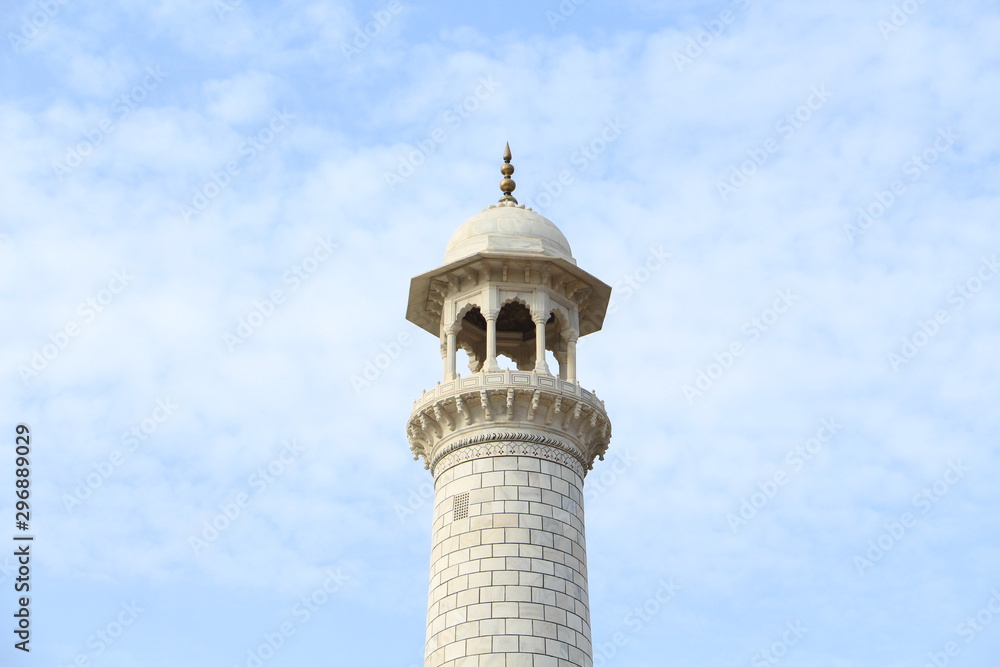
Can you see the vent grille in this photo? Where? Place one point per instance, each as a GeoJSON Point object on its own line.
{"type": "Point", "coordinates": [460, 508]}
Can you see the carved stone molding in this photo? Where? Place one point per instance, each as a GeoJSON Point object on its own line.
{"type": "Point", "coordinates": [508, 444]}
{"type": "Point", "coordinates": [538, 408]}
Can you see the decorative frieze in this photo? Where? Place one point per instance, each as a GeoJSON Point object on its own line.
{"type": "Point", "coordinates": [535, 405]}
{"type": "Point", "coordinates": [508, 444]}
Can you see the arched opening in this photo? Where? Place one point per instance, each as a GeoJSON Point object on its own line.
{"type": "Point", "coordinates": [471, 337]}
{"type": "Point", "coordinates": [506, 363]}
{"type": "Point", "coordinates": [515, 317]}
{"type": "Point", "coordinates": [514, 336]}
{"type": "Point", "coordinates": [553, 363]}
{"type": "Point", "coordinates": [462, 361]}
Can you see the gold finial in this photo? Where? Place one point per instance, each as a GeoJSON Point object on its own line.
{"type": "Point", "coordinates": [507, 185]}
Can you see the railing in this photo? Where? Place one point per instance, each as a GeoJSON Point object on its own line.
{"type": "Point", "coordinates": [505, 380]}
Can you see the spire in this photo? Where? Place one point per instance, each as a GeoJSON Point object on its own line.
{"type": "Point", "coordinates": [507, 185]}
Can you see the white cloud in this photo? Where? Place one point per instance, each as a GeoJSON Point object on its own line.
{"type": "Point", "coordinates": [654, 185]}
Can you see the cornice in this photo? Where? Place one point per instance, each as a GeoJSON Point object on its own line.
{"type": "Point", "coordinates": [517, 406]}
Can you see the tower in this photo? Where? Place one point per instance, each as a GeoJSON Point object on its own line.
{"type": "Point", "coordinates": [508, 449]}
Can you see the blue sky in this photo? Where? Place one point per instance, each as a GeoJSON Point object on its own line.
{"type": "Point", "coordinates": [211, 213]}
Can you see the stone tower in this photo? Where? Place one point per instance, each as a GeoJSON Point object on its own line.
{"type": "Point", "coordinates": [508, 449]}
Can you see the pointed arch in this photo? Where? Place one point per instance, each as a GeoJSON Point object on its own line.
{"type": "Point", "coordinates": [471, 334]}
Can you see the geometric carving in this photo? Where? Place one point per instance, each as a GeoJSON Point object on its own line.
{"type": "Point", "coordinates": [460, 506]}
{"type": "Point", "coordinates": [508, 444]}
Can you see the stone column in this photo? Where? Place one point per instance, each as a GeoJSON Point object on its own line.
{"type": "Point", "coordinates": [508, 576]}
{"type": "Point", "coordinates": [508, 562]}
{"type": "Point", "coordinates": [450, 372]}
{"type": "Point", "coordinates": [570, 336]}
{"type": "Point", "coordinates": [541, 366]}
{"type": "Point", "coordinates": [560, 355]}
{"type": "Point", "coordinates": [491, 342]}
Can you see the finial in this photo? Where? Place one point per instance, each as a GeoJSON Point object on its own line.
{"type": "Point", "coordinates": [507, 185]}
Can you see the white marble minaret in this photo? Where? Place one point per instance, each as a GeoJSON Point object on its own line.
{"type": "Point", "coordinates": [508, 449]}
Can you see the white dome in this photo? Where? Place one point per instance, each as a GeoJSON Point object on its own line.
{"type": "Point", "coordinates": [508, 228]}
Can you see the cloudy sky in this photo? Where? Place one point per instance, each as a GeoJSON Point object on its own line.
{"type": "Point", "coordinates": [211, 213]}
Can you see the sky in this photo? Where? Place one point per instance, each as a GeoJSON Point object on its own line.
{"type": "Point", "coordinates": [211, 213]}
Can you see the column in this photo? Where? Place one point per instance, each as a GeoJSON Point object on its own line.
{"type": "Point", "coordinates": [560, 355]}
{"type": "Point", "coordinates": [540, 364]}
{"type": "Point", "coordinates": [452, 351]}
{"type": "Point", "coordinates": [491, 342]}
{"type": "Point", "coordinates": [570, 336]}
{"type": "Point", "coordinates": [508, 578]}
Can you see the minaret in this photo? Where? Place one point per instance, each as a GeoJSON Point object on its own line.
{"type": "Point", "coordinates": [508, 449]}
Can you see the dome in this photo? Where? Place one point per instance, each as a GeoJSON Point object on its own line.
{"type": "Point", "coordinates": [508, 228]}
